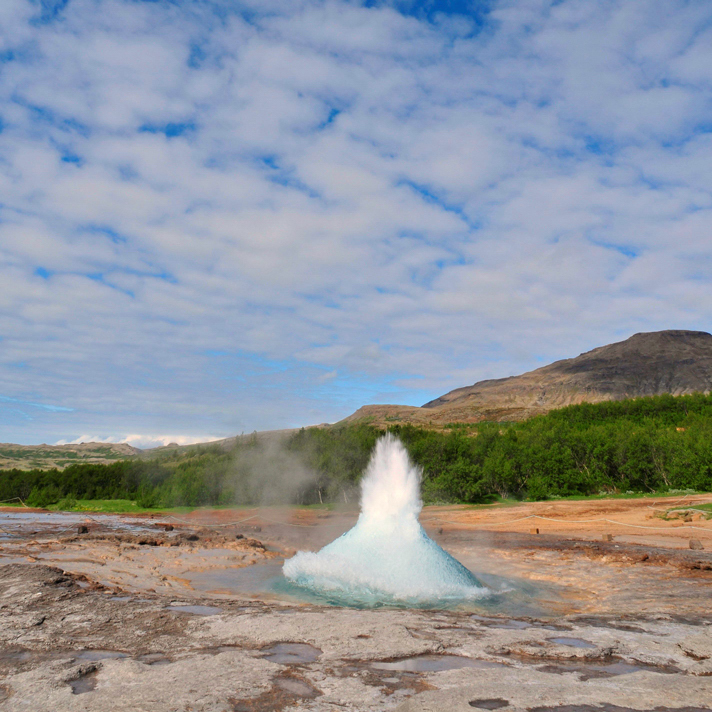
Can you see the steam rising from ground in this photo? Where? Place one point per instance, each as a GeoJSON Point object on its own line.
{"type": "Point", "coordinates": [387, 556]}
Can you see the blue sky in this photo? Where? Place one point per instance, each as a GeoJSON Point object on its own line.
{"type": "Point", "coordinates": [220, 216]}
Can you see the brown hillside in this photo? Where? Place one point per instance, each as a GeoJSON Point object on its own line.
{"type": "Point", "coordinates": [676, 362]}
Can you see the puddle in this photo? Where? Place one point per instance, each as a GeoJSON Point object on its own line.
{"type": "Point", "coordinates": [572, 642]}
{"type": "Point", "coordinates": [94, 655]}
{"type": "Point", "coordinates": [40, 523]}
{"type": "Point", "coordinates": [291, 653]}
{"type": "Point", "coordinates": [434, 663]}
{"type": "Point", "coordinates": [16, 656]}
{"type": "Point", "coordinates": [514, 624]}
{"type": "Point", "coordinates": [244, 581]}
{"type": "Point", "coordinates": [121, 598]}
{"type": "Point", "coordinates": [509, 597]}
{"type": "Point", "coordinates": [493, 703]}
{"type": "Point", "coordinates": [195, 610]}
{"type": "Point", "coordinates": [154, 659]}
{"type": "Point", "coordinates": [591, 671]}
{"type": "Point", "coordinates": [84, 684]}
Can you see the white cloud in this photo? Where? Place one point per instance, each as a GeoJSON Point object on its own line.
{"type": "Point", "coordinates": [203, 219]}
{"type": "Point", "coordinates": [143, 441]}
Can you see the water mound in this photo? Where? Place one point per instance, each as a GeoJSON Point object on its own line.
{"type": "Point", "coordinates": [386, 558]}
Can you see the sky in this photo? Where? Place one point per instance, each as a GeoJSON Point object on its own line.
{"type": "Point", "coordinates": [220, 216]}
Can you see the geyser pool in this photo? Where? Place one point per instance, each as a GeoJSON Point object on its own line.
{"type": "Point", "coordinates": [386, 558]}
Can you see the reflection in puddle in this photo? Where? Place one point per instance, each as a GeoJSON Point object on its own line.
{"type": "Point", "coordinates": [434, 663]}
{"type": "Point", "coordinates": [291, 653]}
{"type": "Point", "coordinates": [194, 610]}
{"type": "Point", "coordinates": [572, 642]}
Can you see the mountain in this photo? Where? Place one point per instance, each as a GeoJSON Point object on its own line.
{"type": "Point", "coordinates": [647, 364]}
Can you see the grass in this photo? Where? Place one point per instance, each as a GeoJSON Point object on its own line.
{"type": "Point", "coordinates": [126, 506]}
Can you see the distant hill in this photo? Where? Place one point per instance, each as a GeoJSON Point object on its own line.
{"type": "Point", "coordinates": [647, 364]}
{"type": "Point", "coordinates": [676, 362]}
{"type": "Point", "coordinates": [43, 457]}
{"type": "Point", "coordinates": [47, 457]}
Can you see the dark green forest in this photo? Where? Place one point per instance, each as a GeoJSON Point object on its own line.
{"type": "Point", "coordinates": [642, 445]}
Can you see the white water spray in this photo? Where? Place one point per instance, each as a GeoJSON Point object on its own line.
{"type": "Point", "coordinates": [386, 556]}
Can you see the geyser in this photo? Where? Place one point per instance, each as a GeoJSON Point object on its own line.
{"type": "Point", "coordinates": [386, 557]}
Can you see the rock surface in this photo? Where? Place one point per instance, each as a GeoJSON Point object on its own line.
{"type": "Point", "coordinates": [64, 647]}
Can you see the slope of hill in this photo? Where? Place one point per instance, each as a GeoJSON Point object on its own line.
{"type": "Point", "coordinates": [676, 362]}
{"type": "Point", "coordinates": [28, 457]}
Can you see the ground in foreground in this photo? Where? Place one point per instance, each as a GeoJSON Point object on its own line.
{"type": "Point", "coordinates": [131, 615]}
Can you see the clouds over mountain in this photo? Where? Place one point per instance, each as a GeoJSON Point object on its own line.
{"type": "Point", "coordinates": [220, 216]}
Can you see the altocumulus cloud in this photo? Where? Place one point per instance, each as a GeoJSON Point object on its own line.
{"type": "Point", "coordinates": [217, 216]}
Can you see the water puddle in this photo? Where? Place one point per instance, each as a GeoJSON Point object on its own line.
{"type": "Point", "coordinates": [24, 524]}
{"type": "Point", "coordinates": [95, 655]}
{"type": "Point", "coordinates": [265, 581]}
{"type": "Point", "coordinates": [434, 663]}
{"type": "Point", "coordinates": [513, 624]}
{"type": "Point", "coordinates": [291, 653]}
{"type": "Point", "coordinates": [84, 684]}
{"type": "Point", "coordinates": [493, 703]}
{"type": "Point", "coordinates": [254, 580]}
{"type": "Point", "coordinates": [572, 642]}
{"type": "Point", "coordinates": [591, 671]}
{"type": "Point", "coordinates": [154, 659]}
{"type": "Point", "coordinates": [16, 656]}
{"type": "Point", "coordinates": [194, 610]}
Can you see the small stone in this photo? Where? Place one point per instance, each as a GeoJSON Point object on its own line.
{"type": "Point", "coordinates": [607, 537]}
{"type": "Point", "coordinates": [82, 529]}
{"type": "Point", "coordinates": [534, 531]}
{"type": "Point", "coordinates": [696, 544]}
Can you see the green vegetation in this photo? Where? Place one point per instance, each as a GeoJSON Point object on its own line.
{"type": "Point", "coordinates": [660, 444]}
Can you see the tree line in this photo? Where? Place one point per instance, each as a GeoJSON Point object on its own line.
{"type": "Point", "coordinates": [641, 445]}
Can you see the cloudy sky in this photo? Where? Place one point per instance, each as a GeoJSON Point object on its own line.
{"type": "Point", "coordinates": [222, 215]}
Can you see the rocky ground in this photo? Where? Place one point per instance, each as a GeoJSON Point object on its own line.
{"type": "Point", "coordinates": [130, 619]}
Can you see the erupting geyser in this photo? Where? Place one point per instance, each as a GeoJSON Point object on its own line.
{"type": "Point", "coordinates": [386, 557]}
